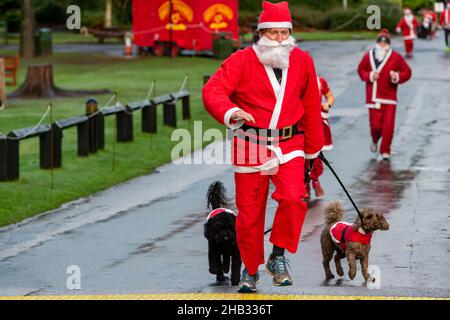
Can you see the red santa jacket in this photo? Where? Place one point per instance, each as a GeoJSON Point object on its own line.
{"type": "Point", "coordinates": [444, 22]}
{"type": "Point", "coordinates": [383, 90]}
{"type": "Point", "coordinates": [408, 29]}
{"type": "Point", "coordinates": [343, 233]}
{"type": "Point", "coordinates": [242, 82]}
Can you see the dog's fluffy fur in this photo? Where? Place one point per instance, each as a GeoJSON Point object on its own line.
{"type": "Point", "coordinates": [372, 219]}
{"type": "Point", "coordinates": [221, 234]}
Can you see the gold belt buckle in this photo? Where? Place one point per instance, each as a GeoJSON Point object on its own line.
{"type": "Point", "coordinates": [286, 133]}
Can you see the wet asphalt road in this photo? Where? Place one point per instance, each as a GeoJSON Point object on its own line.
{"type": "Point", "coordinates": [145, 236]}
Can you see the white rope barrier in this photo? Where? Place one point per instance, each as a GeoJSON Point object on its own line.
{"type": "Point", "coordinates": [49, 108]}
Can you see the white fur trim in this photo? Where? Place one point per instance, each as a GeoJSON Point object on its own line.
{"type": "Point", "coordinates": [327, 148]}
{"type": "Point", "coordinates": [410, 37]}
{"type": "Point", "coordinates": [309, 156]}
{"type": "Point", "coordinates": [373, 105]}
{"type": "Point", "coordinates": [224, 209]}
{"type": "Point", "coordinates": [279, 94]}
{"type": "Point", "coordinates": [375, 83]}
{"type": "Point", "coordinates": [325, 115]}
{"type": "Point", "coordinates": [227, 119]}
{"type": "Point", "coordinates": [267, 25]}
{"type": "Point", "coordinates": [272, 163]}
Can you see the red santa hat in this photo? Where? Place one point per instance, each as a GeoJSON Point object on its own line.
{"type": "Point", "coordinates": [385, 36]}
{"type": "Point", "coordinates": [275, 15]}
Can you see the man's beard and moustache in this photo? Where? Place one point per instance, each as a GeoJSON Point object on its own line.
{"type": "Point", "coordinates": [380, 52]}
{"type": "Point", "coordinates": [273, 53]}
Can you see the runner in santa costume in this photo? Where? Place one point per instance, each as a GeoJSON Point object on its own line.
{"type": "Point", "coordinates": [265, 91]}
{"type": "Point", "coordinates": [444, 23]}
{"type": "Point", "coordinates": [408, 26]}
{"type": "Point", "coordinates": [383, 70]}
{"type": "Point", "coordinates": [317, 169]}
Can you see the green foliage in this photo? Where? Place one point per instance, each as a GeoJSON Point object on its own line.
{"type": "Point", "coordinates": [418, 4]}
{"type": "Point", "coordinates": [48, 12]}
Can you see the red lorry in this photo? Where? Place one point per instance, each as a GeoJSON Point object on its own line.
{"type": "Point", "coordinates": [170, 26]}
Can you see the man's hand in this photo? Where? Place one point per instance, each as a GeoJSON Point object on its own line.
{"type": "Point", "coordinates": [394, 76]}
{"type": "Point", "coordinates": [325, 107]}
{"type": "Point", "coordinates": [242, 115]}
{"type": "Point", "coordinates": [376, 75]}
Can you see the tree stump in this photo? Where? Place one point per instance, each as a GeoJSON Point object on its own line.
{"type": "Point", "coordinates": [39, 84]}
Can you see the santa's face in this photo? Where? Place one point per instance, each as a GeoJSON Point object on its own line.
{"type": "Point", "coordinates": [275, 53]}
{"type": "Point", "coordinates": [277, 34]}
{"type": "Point", "coordinates": [407, 12]}
{"type": "Point", "coordinates": [383, 44]}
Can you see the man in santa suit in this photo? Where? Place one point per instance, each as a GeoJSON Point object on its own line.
{"type": "Point", "coordinates": [262, 93]}
{"type": "Point", "coordinates": [317, 165]}
{"type": "Point", "coordinates": [444, 23]}
{"type": "Point", "coordinates": [383, 70]}
{"type": "Point", "coordinates": [429, 18]}
{"type": "Point", "coordinates": [408, 26]}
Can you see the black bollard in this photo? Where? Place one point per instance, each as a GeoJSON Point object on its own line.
{"type": "Point", "coordinates": [12, 159]}
{"type": "Point", "coordinates": [83, 139]}
{"type": "Point", "coordinates": [3, 142]}
{"type": "Point", "coordinates": [170, 114]}
{"type": "Point", "coordinates": [149, 123]}
{"type": "Point", "coordinates": [186, 107]}
{"type": "Point", "coordinates": [57, 145]}
{"type": "Point", "coordinates": [124, 126]}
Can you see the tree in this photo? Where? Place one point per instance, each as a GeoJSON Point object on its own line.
{"type": "Point", "coordinates": [28, 27]}
{"type": "Point", "coordinates": [108, 14]}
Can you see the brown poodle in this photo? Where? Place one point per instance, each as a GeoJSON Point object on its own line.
{"type": "Point", "coordinates": [351, 241]}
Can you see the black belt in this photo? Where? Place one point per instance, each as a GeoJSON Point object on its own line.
{"type": "Point", "coordinates": [282, 134]}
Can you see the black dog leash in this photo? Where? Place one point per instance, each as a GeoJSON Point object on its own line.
{"type": "Point", "coordinates": [360, 215]}
{"type": "Point", "coordinates": [322, 157]}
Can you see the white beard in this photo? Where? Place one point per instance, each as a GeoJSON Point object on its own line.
{"type": "Point", "coordinates": [380, 53]}
{"type": "Point", "coordinates": [409, 18]}
{"type": "Point", "coordinates": [274, 54]}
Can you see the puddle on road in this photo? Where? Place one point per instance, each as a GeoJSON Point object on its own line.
{"type": "Point", "coordinates": [382, 187]}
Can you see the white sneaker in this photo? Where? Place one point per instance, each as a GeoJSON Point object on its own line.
{"type": "Point", "coordinates": [373, 147]}
{"type": "Point", "coordinates": [385, 156]}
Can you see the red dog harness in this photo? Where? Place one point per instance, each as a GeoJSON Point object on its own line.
{"type": "Point", "coordinates": [217, 211]}
{"type": "Point", "coordinates": [343, 233]}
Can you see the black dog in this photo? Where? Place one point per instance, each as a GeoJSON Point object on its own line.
{"type": "Point", "coordinates": [220, 231]}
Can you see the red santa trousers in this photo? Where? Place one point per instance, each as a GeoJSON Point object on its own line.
{"type": "Point", "coordinates": [382, 124]}
{"type": "Point", "coordinates": [409, 45]}
{"type": "Point", "coordinates": [251, 199]}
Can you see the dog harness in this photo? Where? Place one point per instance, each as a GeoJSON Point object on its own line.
{"type": "Point", "coordinates": [343, 233]}
{"type": "Point", "coordinates": [218, 211]}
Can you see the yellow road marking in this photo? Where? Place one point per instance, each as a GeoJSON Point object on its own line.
{"type": "Point", "coordinates": [210, 296]}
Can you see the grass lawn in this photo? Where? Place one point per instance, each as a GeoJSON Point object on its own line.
{"type": "Point", "coordinates": [59, 37]}
{"type": "Point", "coordinates": [79, 177]}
